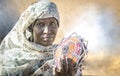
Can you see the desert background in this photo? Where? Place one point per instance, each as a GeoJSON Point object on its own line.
{"type": "Point", "coordinates": [97, 21]}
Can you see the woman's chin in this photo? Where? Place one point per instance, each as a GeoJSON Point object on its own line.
{"type": "Point", "coordinates": [47, 43]}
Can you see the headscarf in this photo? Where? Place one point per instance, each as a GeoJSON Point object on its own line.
{"type": "Point", "coordinates": [16, 49]}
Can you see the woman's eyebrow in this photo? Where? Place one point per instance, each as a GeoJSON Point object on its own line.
{"type": "Point", "coordinates": [40, 21]}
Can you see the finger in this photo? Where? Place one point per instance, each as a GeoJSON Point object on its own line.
{"type": "Point", "coordinates": [70, 67]}
{"type": "Point", "coordinates": [65, 65]}
{"type": "Point", "coordinates": [61, 64]}
{"type": "Point", "coordinates": [54, 70]}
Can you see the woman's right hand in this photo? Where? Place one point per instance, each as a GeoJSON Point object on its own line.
{"type": "Point", "coordinates": [64, 67]}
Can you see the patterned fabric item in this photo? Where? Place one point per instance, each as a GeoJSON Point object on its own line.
{"type": "Point", "coordinates": [74, 48]}
{"type": "Point", "coordinates": [17, 53]}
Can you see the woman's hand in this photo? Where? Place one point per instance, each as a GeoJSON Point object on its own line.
{"type": "Point", "coordinates": [64, 67]}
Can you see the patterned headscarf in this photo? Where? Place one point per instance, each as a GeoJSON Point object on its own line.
{"type": "Point", "coordinates": [19, 35]}
{"type": "Point", "coordinates": [16, 49]}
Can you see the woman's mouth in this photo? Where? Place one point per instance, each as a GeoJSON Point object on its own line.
{"type": "Point", "coordinates": [47, 38]}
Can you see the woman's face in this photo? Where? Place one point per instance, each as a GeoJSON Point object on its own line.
{"type": "Point", "coordinates": [45, 30]}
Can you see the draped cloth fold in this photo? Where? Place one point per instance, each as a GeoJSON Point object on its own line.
{"type": "Point", "coordinates": [17, 51]}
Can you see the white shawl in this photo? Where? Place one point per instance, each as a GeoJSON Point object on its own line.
{"type": "Point", "coordinates": [16, 50]}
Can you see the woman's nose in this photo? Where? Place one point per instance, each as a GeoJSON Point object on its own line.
{"type": "Point", "coordinates": [46, 30]}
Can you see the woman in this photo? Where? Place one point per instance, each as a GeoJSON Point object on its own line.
{"type": "Point", "coordinates": [28, 45]}
{"type": "Point", "coordinates": [27, 50]}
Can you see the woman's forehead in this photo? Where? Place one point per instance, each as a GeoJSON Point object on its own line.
{"type": "Point", "coordinates": [50, 19]}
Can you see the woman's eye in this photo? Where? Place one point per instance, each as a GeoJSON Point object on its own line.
{"type": "Point", "coordinates": [53, 25]}
{"type": "Point", "coordinates": [41, 25]}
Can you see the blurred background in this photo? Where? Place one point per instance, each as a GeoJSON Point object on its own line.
{"type": "Point", "coordinates": [98, 21]}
